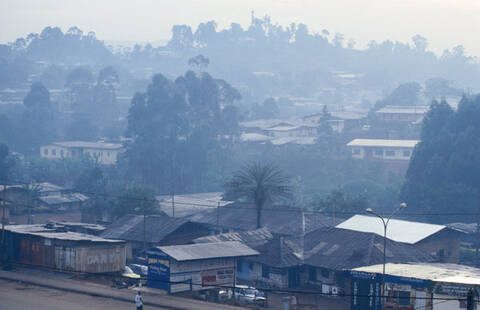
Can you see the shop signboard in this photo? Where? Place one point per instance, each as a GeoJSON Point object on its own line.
{"type": "Point", "coordinates": [365, 291]}
{"type": "Point", "coordinates": [158, 270]}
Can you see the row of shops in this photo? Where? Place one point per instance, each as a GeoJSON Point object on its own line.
{"type": "Point", "coordinates": [413, 286]}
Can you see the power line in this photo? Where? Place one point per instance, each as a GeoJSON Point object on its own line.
{"type": "Point", "coordinates": [238, 205]}
{"type": "Point", "coordinates": [265, 289]}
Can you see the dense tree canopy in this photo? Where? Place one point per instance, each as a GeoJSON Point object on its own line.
{"type": "Point", "coordinates": [178, 129]}
{"type": "Point", "coordinates": [6, 164]}
{"type": "Point", "coordinates": [39, 119]}
{"type": "Point", "coordinates": [444, 170]}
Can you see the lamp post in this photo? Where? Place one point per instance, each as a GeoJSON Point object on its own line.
{"type": "Point", "coordinates": [385, 225]}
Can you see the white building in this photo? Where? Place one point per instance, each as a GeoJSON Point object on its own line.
{"type": "Point", "coordinates": [104, 153]}
{"type": "Point", "coordinates": [410, 114]}
{"type": "Point", "coordinates": [382, 149]}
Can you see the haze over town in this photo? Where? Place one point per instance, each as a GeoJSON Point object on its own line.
{"type": "Point", "coordinates": [240, 154]}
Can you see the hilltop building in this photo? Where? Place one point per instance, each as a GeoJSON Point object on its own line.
{"type": "Point", "coordinates": [102, 152]}
{"type": "Point", "coordinates": [410, 114]}
{"type": "Point", "coordinates": [380, 149]}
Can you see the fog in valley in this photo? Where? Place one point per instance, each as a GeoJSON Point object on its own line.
{"type": "Point", "coordinates": [290, 127]}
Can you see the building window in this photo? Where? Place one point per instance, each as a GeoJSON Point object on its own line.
{"type": "Point", "coordinates": [45, 152]}
{"type": "Point", "coordinates": [406, 153]}
{"type": "Point", "coordinates": [54, 152]}
{"type": "Point", "coordinates": [378, 152]}
{"type": "Point", "coordinates": [61, 153]}
{"type": "Point", "coordinates": [265, 271]}
{"type": "Point", "coordinates": [404, 298]}
{"type": "Point", "coordinates": [325, 273]}
{"type": "Point", "coordinates": [239, 266]}
{"type": "Point", "coordinates": [312, 274]}
{"type": "Point", "coordinates": [390, 153]}
{"type": "Point", "coordinates": [250, 266]}
{"type": "Point", "coordinates": [441, 255]}
{"type": "Point", "coordinates": [356, 151]}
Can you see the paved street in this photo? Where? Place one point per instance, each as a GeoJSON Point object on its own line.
{"type": "Point", "coordinates": [17, 296]}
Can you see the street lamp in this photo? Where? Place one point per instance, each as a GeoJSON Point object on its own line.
{"type": "Point", "coordinates": [385, 225]}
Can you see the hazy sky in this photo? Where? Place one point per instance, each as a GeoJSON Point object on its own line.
{"type": "Point", "coordinates": [445, 23]}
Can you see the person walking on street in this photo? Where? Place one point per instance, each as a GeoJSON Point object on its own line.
{"type": "Point", "coordinates": [139, 301]}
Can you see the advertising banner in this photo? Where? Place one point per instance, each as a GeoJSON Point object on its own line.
{"type": "Point", "coordinates": [158, 271]}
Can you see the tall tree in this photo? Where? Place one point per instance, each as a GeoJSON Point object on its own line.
{"type": "Point", "coordinates": [172, 121]}
{"type": "Point", "coordinates": [39, 119]}
{"type": "Point", "coordinates": [443, 172]}
{"type": "Point", "coordinates": [258, 183]}
{"type": "Point", "coordinates": [6, 164]}
{"type": "Point", "coordinates": [136, 200]}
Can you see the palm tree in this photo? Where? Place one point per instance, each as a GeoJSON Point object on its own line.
{"type": "Point", "coordinates": [32, 193]}
{"type": "Point", "coordinates": [259, 183]}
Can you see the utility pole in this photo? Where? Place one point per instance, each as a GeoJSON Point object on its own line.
{"type": "Point", "coordinates": [476, 239]}
{"type": "Point", "coordinates": [218, 216]}
{"type": "Point", "coordinates": [470, 300]}
{"type": "Point", "coordinates": [333, 213]}
{"type": "Point", "coordinates": [3, 212]}
{"type": "Point", "coordinates": [173, 204]}
{"type": "Point", "coordinates": [144, 227]}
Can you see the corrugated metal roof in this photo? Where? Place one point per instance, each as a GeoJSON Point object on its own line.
{"type": "Point", "coordinates": [189, 204]}
{"type": "Point", "coordinates": [398, 230]}
{"type": "Point", "coordinates": [63, 199]}
{"type": "Point", "coordinates": [130, 228]}
{"type": "Point", "coordinates": [252, 238]}
{"type": "Point", "coordinates": [90, 145]}
{"type": "Point", "coordinates": [43, 187]}
{"type": "Point", "coordinates": [294, 140]}
{"type": "Point", "coordinates": [383, 143]}
{"type": "Point", "coordinates": [336, 248]}
{"type": "Point", "coordinates": [208, 250]}
{"type": "Point", "coordinates": [280, 252]}
{"type": "Point", "coordinates": [44, 232]}
{"type": "Point", "coordinates": [466, 228]}
{"type": "Point", "coordinates": [403, 109]}
{"type": "Point", "coordinates": [277, 219]}
{"type": "Point", "coordinates": [254, 137]}
{"type": "Point", "coordinates": [451, 273]}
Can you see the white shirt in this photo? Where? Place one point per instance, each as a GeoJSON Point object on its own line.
{"type": "Point", "coordinates": [138, 300]}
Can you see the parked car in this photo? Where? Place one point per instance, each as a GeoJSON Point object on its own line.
{"type": "Point", "coordinates": [141, 270]}
{"type": "Point", "coordinates": [126, 278]}
{"type": "Point", "coordinates": [250, 295]}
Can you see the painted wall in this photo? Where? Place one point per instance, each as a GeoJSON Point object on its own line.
{"type": "Point", "coordinates": [381, 153]}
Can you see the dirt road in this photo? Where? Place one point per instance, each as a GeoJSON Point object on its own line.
{"type": "Point", "coordinates": [17, 296]}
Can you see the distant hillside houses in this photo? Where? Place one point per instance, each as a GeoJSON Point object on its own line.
{"type": "Point", "coordinates": [103, 152]}
{"type": "Point", "coordinates": [303, 130]}
{"type": "Point", "coordinates": [36, 198]}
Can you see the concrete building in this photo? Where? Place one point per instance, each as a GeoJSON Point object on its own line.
{"type": "Point", "coordinates": [410, 114]}
{"type": "Point", "coordinates": [102, 152]}
{"type": "Point", "coordinates": [384, 150]}
{"type": "Point", "coordinates": [195, 267]}
{"type": "Point", "coordinates": [438, 240]}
